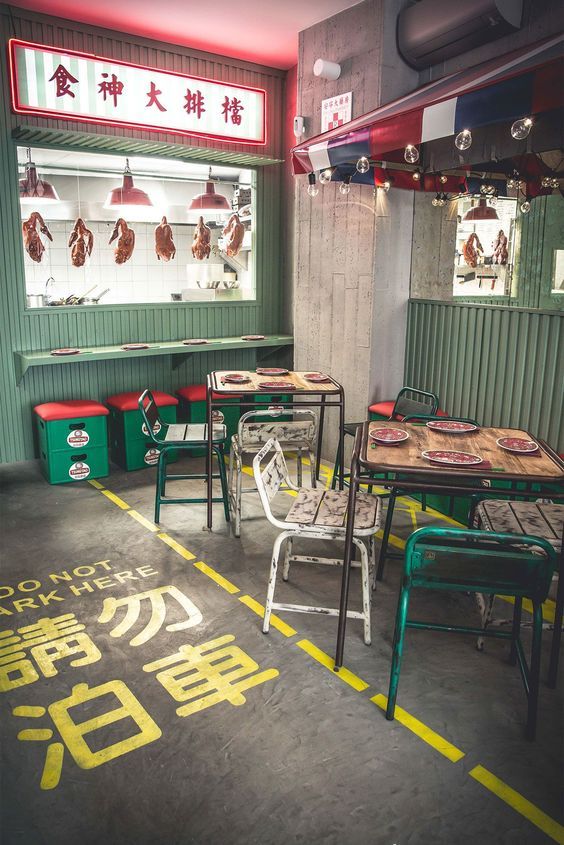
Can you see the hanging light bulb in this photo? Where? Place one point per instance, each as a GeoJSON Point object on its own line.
{"type": "Point", "coordinates": [463, 140]}
{"type": "Point", "coordinates": [345, 186]}
{"type": "Point", "coordinates": [363, 164]}
{"type": "Point", "coordinates": [411, 154]}
{"type": "Point", "coordinates": [525, 206]}
{"type": "Point", "coordinates": [493, 199]}
{"type": "Point", "coordinates": [325, 176]}
{"type": "Point", "coordinates": [514, 181]}
{"type": "Point", "coordinates": [521, 128]}
{"type": "Point", "coordinates": [443, 178]}
{"type": "Point", "coordinates": [387, 184]}
{"type": "Point", "coordinates": [554, 182]}
{"type": "Point", "coordinates": [312, 188]}
{"type": "Point", "coordinates": [436, 201]}
{"type": "Point", "coordinates": [546, 182]}
{"type": "Point", "coordinates": [416, 175]}
{"type": "Point", "coordinates": [444, 198]}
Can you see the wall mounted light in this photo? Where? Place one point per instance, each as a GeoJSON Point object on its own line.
{"type": "Point", "coordinates": [326, 69]}
{"type": "Point", "coordinates": [33, 189]}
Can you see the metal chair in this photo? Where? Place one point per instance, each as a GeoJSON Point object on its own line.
{"type": "Point", "coordinates": [297, 434]}
{"type": "Point", "coordinates": [316, 514]}
{"type": "Point", "coordinates": [465, 560]}
{"type": "Point", "coordinates": [395, 492]}
{"type": "Point", "coordinates": [181, 437]}
{"type": "Point", "coordinates": [404, 404]}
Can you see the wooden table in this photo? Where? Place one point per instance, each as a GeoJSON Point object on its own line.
{"type": "Point", "coordinates": [311, 395]}
{"type": "Point", "coordinates": [415, 473]}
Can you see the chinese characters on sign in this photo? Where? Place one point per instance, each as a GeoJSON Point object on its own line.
{"type": "Point", "coordinates": [79, 86]}
{"type": "Point", "coordinates": [335, 111]}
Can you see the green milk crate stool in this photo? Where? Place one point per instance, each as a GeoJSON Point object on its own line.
{"type": "Point", "coordinates": [131, 446]}
{"type": "Point", "coordinates": [192, 409]}
{"type": "Point", "coordinates": [73, 440]}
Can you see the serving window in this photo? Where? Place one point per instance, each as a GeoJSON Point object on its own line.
{"type": "Point", "coordinates": [485, 247]}
{"type": "Point", "coordinates": [103, 229]}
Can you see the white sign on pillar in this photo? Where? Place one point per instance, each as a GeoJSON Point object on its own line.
{"type": "Point", "coordinates": [335, 111]}
{"type": "Point", "coordinates": [68, 85]}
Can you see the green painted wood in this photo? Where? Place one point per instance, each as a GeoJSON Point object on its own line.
{"type": "Point", "coordinates": [501, 366]}
{"type": "Point", "coordinates": [24, 330]}
{"type": "Point", "coordinates": [87, 355]}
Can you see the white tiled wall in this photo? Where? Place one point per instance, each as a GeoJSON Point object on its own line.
{"type": "Point", "coordinates": [144, 278]}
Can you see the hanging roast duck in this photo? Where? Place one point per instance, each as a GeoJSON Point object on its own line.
{"type": "Point", "coordinates": [164, 245]}
{"type": "Point", "coordinates": [201, 245]}
{"type": "Point", "coordinates": [470, 250]}
{"type": "Point", "coordinates": [233, 233]}
{"type": "Point", "coordinates": [81, 240]}
{"type": "Point", "coordinates": [124, 249]}
{"type": "Point", "coordinates": [32, 242]}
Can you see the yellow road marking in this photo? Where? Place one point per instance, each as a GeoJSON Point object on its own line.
{"type": "Point", "coordinates": [115, 499]}
{"type": "Point", "coordinates": [142, 521]}
{"type": "Point", "coordinates": [548, 607]}
{"type": "Point", "coordinates": [343, 674]}
{"type": "Point", "coordinates": [29, 710]}
{"type": "Point", "coordinates": [275, 620]}
{"type": "Point", "coordinates": [517, 802]}
{"type": "Point", "coordinates": [96, 484]}
{"type": "Point", "coordinates": [438, 742]}
{"type": "Point", "coordinates": [215, 576]}
{"type": "Point", "coordinates": [53, 765]}
{"type": "Point", "coordinates": [32, 734]}
{"type": "Point", "coordinates": [179, 549]}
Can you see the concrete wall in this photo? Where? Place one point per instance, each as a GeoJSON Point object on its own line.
{"type": "Point", "coordinates": [352, 253]}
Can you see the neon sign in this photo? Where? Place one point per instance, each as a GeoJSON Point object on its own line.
{"type": "Point", "coordinates": [68, 85]}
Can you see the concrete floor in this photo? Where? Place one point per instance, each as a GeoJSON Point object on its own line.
{"type": "Point", "coordinates": [307, 757]}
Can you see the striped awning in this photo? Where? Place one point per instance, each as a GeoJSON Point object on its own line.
{"type": "Point", "coordinates": [520, 84]}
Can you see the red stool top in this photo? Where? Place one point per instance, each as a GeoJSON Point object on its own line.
{"type": "Point", "coordinates": [70, 410]}
{"type": "Point", "coordinates": [197, 393]}
{"type": "Point", "coordinates": [385, 409]}
{"type": "Point", "coordinates": [130, 401]}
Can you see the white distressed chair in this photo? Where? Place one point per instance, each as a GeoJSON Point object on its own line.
{"type": "Point", "coordinates": [316, 514]}
{"type": "Point", "coordinates": [298, 434]}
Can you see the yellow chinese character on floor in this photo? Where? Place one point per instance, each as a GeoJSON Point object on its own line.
{"type": "Point", "coordinates": [158, 613]}
{"type": "Point", "coordinates": [207, 674]}
{"type": "Point", "coordinates": [47, 640]}
{"type": "Point", "coordinates": [73, 733]}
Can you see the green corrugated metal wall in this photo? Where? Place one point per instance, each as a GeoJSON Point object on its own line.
{"type": "Point", "coordinates": [114, 325]}
{"type": "Point", "coordinates": [501, 366]}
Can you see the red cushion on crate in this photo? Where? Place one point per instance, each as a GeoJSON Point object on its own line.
{"type": "Point", "coordinates": [385, 409]}
{"type": "Point", "coordinates": [130, 401]}
{"type": "Point", "coordinates": [70, 410]}
{"type": "Point", "coordinates": [197, 393]}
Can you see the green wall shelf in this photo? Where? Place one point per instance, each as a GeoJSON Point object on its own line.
{"type": "Point", "coordinates": [180, 352]}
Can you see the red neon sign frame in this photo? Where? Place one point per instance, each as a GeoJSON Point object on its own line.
{"type": "Point", "coordinates": [24, 109]}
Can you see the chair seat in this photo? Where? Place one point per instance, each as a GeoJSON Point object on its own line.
{"type": "Point", "coordinates": [538, 519]}
{"type": "Point", "coordinates": [193, 433]}
{"type": "Point", "coordinates": [328, 508]}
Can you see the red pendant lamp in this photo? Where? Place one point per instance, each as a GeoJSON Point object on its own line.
{"type": "Point", "coordinates": [33, 189]}
{"type": "Point", "coordinates": [209, 201]}
{"type": "Point", "coordinates": [482, 211]}
{"type": "Point", "coordinates": [127, 194]}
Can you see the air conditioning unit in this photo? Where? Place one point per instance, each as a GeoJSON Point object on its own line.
{"type": "Point", "coordinates": [434, 30]}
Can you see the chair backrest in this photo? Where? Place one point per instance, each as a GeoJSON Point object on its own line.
{"type": "Point", "coordinates": [411, 400]}
{"type": "Point", "coordinates": [480, 561]}
{"type": "Point", "coordinates": [150, 413]}
{"type": "Point", "coordinates": [252, 431]}
{"type": "Point", "coordinates": [270, 479]}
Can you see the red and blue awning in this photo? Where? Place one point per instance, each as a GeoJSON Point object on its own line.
{"type": "Point", "coordinates": [520, 84]}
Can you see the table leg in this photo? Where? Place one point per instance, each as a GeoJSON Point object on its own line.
{"type": "Point", "coordinates": [209, 453]}
{"type": "Point", "coordinates": [320, 437]}
{"type": "Point", "coordinates": [342, 441]}
{"type": "Point", "coordinates": [344, 600]}
{"type": "Point", "coordinates": [557, 632]}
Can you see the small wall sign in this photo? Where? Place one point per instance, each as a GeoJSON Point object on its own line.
{"type": "Point", "coordinates": [335, 111]}
{"type": "Point", "coordinates": [69, 85]}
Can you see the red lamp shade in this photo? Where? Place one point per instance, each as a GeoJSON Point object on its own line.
{"type": "Point", "coordinates": [34, 189]}
{"type": "Point", "coordinates": [128, 194]}
{"type": "Point", "coordinates": [209, 201]}
{"type": "Point", "coordinates": [482, 211]}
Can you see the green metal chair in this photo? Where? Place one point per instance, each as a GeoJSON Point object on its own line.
{"type": "Point", "coordinates": [175, 437]}
{"type": "Point", "coordinates": [465, 560]}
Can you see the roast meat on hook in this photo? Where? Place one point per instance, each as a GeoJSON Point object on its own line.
{"type": "Point", "coordinates": [32, 242]}
{"type": "Point", "coordinates": [81, 240]}
{"type": "Point", "coordinates": [233, 233]}
{"type": "Point", "coordinates": [164, 245]}
{"type": "Point", "coordinates": [124, 248]}
{"type": "Point", "coordinates": [201, 246]}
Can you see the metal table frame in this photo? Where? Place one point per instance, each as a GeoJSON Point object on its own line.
{"type": "Point", "coordinates": [445, 487]}
{"type": "Point", "coordinates": [322, 402]}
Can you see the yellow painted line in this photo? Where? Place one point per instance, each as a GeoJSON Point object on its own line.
{"type": "Point", "coordinates": [115, 499]}
{"type": "Point", "coordinates": [33, 734]}
{"type": "Point", "coordinates": [215, 576]}
{"type": "Point", "coordinates": [142, 521]}
{"type": "Point", "coordinates": [518, 803]}
{"type": "Point", "coordinates": [275, 621]}
{"type": "Point", "coordinates": [548, 608]}
{"type": "Point", "coordinates": [431, 737]}
{"type": "Point", "coordinates": [30, 710]}
{"type": "Point", "coordinates": [179, 549]}
{"type": "Point", "coordinates": [343, 674]}
{"type": "Point", "coordinates": [96, 484]}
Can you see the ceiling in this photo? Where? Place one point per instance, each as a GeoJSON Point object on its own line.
{"type": "Point", "coordinates": [263, 31]}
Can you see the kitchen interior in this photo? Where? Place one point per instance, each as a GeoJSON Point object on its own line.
{"type": "Point", "coordinates": [103, 229]}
